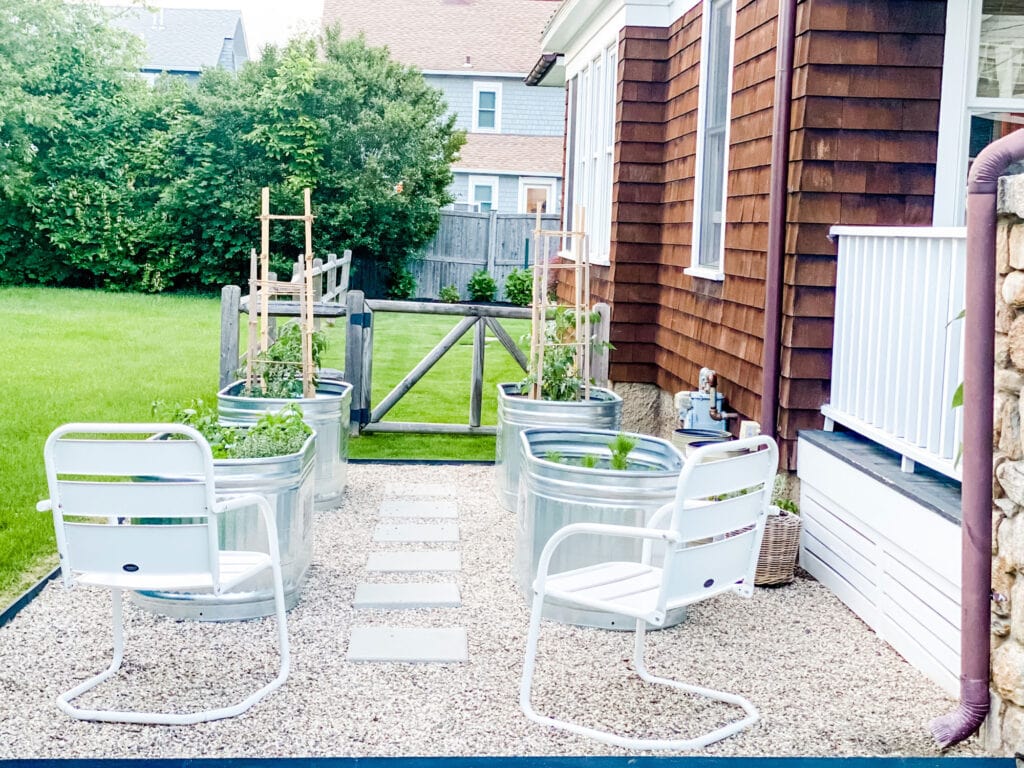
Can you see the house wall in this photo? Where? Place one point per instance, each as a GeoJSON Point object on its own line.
{"type": "Point", "coordinates": [508, 190]}
{"type": "Point", "coordinates": [866, 89]}
{"type": "Point", "coordinates": [524, 111]}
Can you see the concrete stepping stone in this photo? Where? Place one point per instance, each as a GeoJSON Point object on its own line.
{"type": "Point", "coordinates": [412, 508]}
{"type": "Point", "coordinates": [397, 562]}
{"type": "Point", "coordinates": [406, 644]}
{"type": "Point", "coordinates": [418, 489]}
{"type": "Point", "coordinates": [407, 596]}
{"type": "Point", "coordinates": [416, 532]}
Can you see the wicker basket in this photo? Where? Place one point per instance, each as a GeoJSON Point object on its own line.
{"type": "Point", "coordinates": [777, 560]}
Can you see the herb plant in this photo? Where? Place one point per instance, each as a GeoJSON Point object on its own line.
{"type": "Point", "coordinates": [620, 448]}
{"type": "Point", "coordinates": [562, 379]}
{"type": "Point", "coordinates": [280, 367]}
{"type": "Point", "coordinates": [275, 434]}
{"type": "Point", "coordinates": [481, 286]}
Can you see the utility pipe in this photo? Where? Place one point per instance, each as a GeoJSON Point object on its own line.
{"type": "Point", "coordinates": [979, 362]}
{"type": "Point", "coordinates": [786, 35]}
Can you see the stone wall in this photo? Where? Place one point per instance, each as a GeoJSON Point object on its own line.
{"type": "Point", "coordinates": [1005, 728]}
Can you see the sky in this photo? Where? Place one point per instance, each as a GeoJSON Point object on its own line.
{"type": "Point", "coordinates": [266, 21]}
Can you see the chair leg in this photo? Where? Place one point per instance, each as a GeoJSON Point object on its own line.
{"type": "Point", "coordinates": [158, 718]}
{"type": "Point", "coordinates": [117, 621]}
{"type": "Point", "coordinates": [638, 660]}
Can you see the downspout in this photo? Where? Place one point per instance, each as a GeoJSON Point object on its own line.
{"type": "Point", "coordinates": [779, 182]}
{"type": "Point", "coordinates": [979, 362]}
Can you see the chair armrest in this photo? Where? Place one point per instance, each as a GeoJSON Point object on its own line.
{"type": "Point", "coordinates": [234, 503]}
{"type": "Point", "coordinates": [601, 529]}
{"type": "Point", "coordinates": [44, 506]}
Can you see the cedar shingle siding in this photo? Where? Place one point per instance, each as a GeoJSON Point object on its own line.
{"type": "Point", "coordinates": [862, 151]}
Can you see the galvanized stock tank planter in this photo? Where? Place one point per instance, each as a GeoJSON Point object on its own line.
{"type": "Point", "coordinates": [515, 413]}
{"type": "Point", "coordinates": [327, 414]}
{"type": "Point", "coordinates": [288, 484]}
{"type": "Point", "coordinates": [555, 491]}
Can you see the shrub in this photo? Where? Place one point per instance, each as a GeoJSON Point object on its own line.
{"type": "Point", "coordinates": [402, 284]}
{"type": "Point", "coordinates": [519, 287]}
{"type": "Point", "coordinates": [482, 286]}
{"type": "Point", "coordinates": [449, 294]}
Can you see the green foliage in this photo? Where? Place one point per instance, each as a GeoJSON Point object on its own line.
{"type": "Point", "coordinates": [481, 286]}
{"type": "Point", "coordinates": [108, 182]}
{"type": "Point", "coordinates": [402, 284]}
{"type": "Point", "coordinates": [280, 367]}
{"type": "Point", "coordinates": [562, 380]}
{"type": "Point", "coordinates": [620, 448]}
{"type": "Point", "coordinates": [449, 294]}
{"type": "Point", "coordinates": [553, 456]}
{"type": "Point", "coordinates": [275, 434]}
{"type": "Point", "coordinates": [519, 287]}
{"type": "Point", "coordinates": [588, 460]}
{"type": "Point", "coordinates": [786, 505]}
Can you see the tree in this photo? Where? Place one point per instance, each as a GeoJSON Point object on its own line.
{"type": "Point", "coordinates": [367, 134]}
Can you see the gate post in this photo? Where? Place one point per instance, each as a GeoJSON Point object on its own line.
{"type": "Point", "coordinates": [230, 298]}
{"type": "Point", "coordinates": [602, 334]}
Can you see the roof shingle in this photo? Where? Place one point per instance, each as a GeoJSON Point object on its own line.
{"type": "Point", "coordinates": [515, 154]}
{"type": "Point", "coordinates": [442, 35]}
{"type": "Point", "coordinates": [181, 39]}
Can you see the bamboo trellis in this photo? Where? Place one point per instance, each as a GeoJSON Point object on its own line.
{"type": "Point", "coordinates": [557, 250]}
{"type": "Point", "coordinates": [260, 285]}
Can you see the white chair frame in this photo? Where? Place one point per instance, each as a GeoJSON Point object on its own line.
{"type": "Point", "coordinates": [93, 541]}
{"type": "Point", "coordinates": [646, 593]}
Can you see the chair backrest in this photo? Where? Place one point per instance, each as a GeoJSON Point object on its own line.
{"type": "Point", "coordinates": [720, 509]}
{"type": "Point", "coordinates": [132, 501]}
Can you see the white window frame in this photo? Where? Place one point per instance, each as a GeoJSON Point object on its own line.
{"type": "Point", "coordinates": [593, 150]}
{"type": "Point", "coordinates": [696, 268]}
{"type": "Point", "coordinates": [530, 182]}
{"type": "Point", "coordinates": [958, 103]}
{"type": "Point", "coordinates": [479, 88]}
{"type": "Point", "coordinates": [484, 181]}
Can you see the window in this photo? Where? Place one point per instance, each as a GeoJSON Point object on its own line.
{"type": "Point", "coordinates": [713, 140]}
{"type": "Point", "coordinates": [483, 193]}
{"type": "Point", "coordinates": [591, 150]}
{"type": "Point", "coordinates": [534, 192]}
{"type": "Point", "coordinates": [487, 107]}
{"type": "Point", "coordinates": [985, 104]}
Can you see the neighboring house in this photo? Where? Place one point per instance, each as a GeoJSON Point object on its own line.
{"type": "Point", "coordinates": [184, 41]}
{"type": "Point", "coordinates": [714, 173]}
{"type": "Point", "coordinates": [478, 53]}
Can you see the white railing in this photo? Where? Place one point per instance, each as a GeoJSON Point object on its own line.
{"type": "Point", "coordinates": [897, 353]}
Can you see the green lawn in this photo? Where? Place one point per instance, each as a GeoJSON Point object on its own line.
{"type": "Point", "coordinates": [89, 356]}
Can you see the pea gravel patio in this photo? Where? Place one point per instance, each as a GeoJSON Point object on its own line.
{"type": "Point", "coordinates": [825, 684]}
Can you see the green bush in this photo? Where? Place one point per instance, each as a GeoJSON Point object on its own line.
{"type": "Point", "coordinates": [107, 182]}
{"type": "Point", "coordinates": [519, 287]}
{"type": "Point", "coordinates": [449, 294]}
{"type": "Point", "coordinates": [481, 286]}
{"type": "Point", "coordinates": [402, 284]}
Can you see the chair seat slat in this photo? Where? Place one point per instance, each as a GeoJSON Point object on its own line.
{"type": "Point", "coordinates": [121, 458]}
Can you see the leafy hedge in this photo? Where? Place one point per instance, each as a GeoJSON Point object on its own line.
{"type": "Point", "coordinates": [108, 182]}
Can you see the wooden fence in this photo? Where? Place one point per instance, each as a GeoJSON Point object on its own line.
{"type": "Point", "coordinates": [465, 242]}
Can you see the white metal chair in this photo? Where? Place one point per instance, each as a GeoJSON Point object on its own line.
{"type": "Point", "coordinates": [710, 547]}
{"type": "Point", "coordinates": [141, 514]}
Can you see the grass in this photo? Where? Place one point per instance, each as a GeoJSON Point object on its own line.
{"type": "Point", "coordinates": [74, 355]}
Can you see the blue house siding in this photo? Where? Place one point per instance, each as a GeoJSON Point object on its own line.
{"type": "Point", "coordinates": [525, 111]}
{"type": "Point", "coordinates": [508, 191]}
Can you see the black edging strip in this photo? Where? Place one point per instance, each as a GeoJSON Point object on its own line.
{"type": "Point", "coordinates": [695, 761]}
{"type": "Point", "coordinates": [14, 608]}
{"type": "Point", "coordinates": [431, 462]}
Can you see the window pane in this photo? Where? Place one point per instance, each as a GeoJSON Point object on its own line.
{"type": "Point", "coordinates": [986, 128]}
{"type": "Point", "coordinates": [485, 119]}
{"type": "Point", "coordinates": [715, 103]}
{"type": "Point", "coordinates": [536, 196]}
{"type": "Point", "coordinates": [487, 100]}
{"type": "Point", "coordinates": [1001, 49]}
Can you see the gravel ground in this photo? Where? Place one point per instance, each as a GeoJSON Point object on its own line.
{"type": "Point", "coordinates": [825, 684]}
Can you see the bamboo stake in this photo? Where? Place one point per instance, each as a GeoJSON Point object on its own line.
{"type": "Point", "coordinates": [308, 389]}
{"type": "Point", "coordinates": [264, 265]}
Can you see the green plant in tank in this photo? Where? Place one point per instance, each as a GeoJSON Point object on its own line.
{"type": "Point", "coordinates": [275, 434]}
{"type": "Point", "coordinates": [621, 447]}
{"type": "Point", "coordinates": [588, 461]}
{"type": "Point", "coordinates": [280, 367]}
{"type": "Point", "coordinates": [562, 380]}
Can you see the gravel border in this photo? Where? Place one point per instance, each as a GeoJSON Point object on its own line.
{"type": "Point", "coordinates": [824, 682]}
